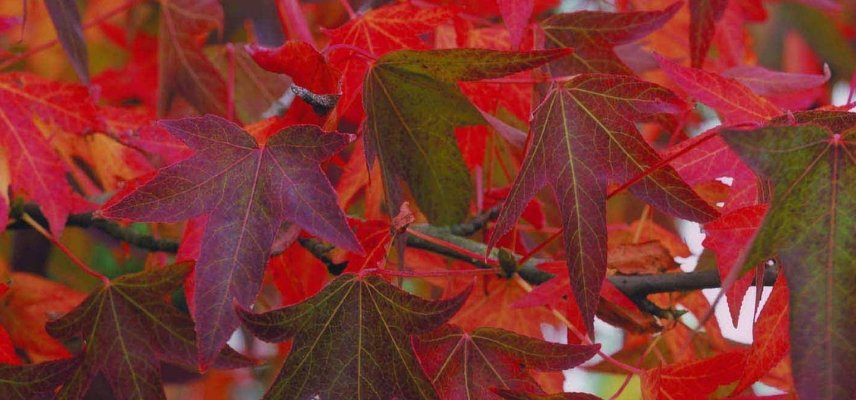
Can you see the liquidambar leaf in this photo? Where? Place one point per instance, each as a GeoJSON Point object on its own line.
{"type": "Point", "coordinates": [412, 105]}
{"type": "Point", "coordinates": [583, 134]}
{"type": "Point", "coordinates": [593, 34]}
{"type": "Point", "coordinates": [66, 21]}
{"type": "Point", "coordinates": [35, 381]}
{"type": "Point", "coordinates": [468, 365]}
{"type": "Point", "coordinates": [127, 329]}
{"type": "Point", "coordinates": [247, 190]}
{"type": "Point", "coordinates": [809, 227]}
{"type": "Point", "coordinates": [352, 340]}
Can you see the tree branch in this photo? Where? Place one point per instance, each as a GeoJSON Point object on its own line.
{"type": "Point", "coordinates": [634, 286]}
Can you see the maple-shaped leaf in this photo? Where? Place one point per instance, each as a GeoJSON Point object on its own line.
{"type": "Point", "coordinates": [421, 148]}
{"type": "Point", "coordinates": [247, 190]}
{"type": "Point", "coordinates": [703, 17]}
{"type": "Point", "coordinates": [127, 329]}
{"type": "Point", "coordinates": [734, 102]}
{"type": "Point", "coordinates": [35, 381]}
{"type": "Point", "coordinates": [35, 171]}
{"type": "Point", "coordinates": [183, 67]}
{"type": "Point", "coordinates": [583, 134]}
{"type": "Point", "coordinates": [593, 34]}
{"type": "Point", "coordinates": [352, 340]}
{"type": "Point", "coordinates": [394, 26]}
{"type": "Point", "coordinates": [770, 341]}
{"type": "Point", "coordinates": [809, 228]}
{"type": "Point", "coordinates": [465, 365]}
{"type": "Point", "coordinates": [693, 379]}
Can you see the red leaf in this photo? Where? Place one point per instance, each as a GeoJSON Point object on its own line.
{"type": "Point", "coordinates": [734, 102]}
{"type": "Point", "coordinates": [36, 172]}
{"type": "Point", "coordinates": [729, 237]}
{"type": "Point", "coordinates": [516, 14]}
{"type": "Point", "coordinates": [583, 134]}
{"type": "Point", "coordinates": [299, 60]}
{"type": "Point", "coordinates": [7, 349]}
{"type": "Point", "coordinates": [391, 27]}
{"type": "Point", "coordinates": [465, 365]}
{"type": "Point", "coordinates": [247, 191]}
{"type": "Point", "coordinates": [703, 17]}
{"type": "Point", "coordinates": [771, 341]}
{"type": "Point", "coordinates": [593, 34]}
{"type": "Point", "coordinates": [694, 379]}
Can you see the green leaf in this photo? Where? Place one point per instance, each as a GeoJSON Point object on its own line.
{"type": "Point", "coordinates": [127, 329]}
{"type": "Point", "coordinates": [810, 228]}
{"type": "Point", "coordinates": [352, 340]}
{"type": "Point", "coordinates": [413, 104]}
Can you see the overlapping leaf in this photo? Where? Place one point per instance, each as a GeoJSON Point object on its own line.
{"type": "Point", "coordinates": [692, 380]}
{"type": "Point", "coordinates": [468, 365]}
{"type": "Point", "coordinates": [35, 171]}
{"type": "Point", "coordinates": [583, 134]}
{"type": "Point", "coordinates": [35, 381]}
{"type": "Point", "coordinates": [809, 227]}
{"type": "Point", "coordinates": [353, 340]}
{"type": "Point", "coordinates": [420, 148]}
{"type": "Point", "coordinates": [128, 329]}
{"type": "Point", "coordinates": [183, 68]}
{"type": "Point", "coordinates": [247, 190]}
{"type": "Point", "coordinates": [734, 102]}
{"type": "Point", "coordinates": [593, 34]}
{"type": "Point", "coordinates": [392, 27]}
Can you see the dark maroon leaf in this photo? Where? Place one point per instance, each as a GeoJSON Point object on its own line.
{"type": "Point", "coordinates": [247, 190]}
{"type": "Point", "coordinates": [352, 340]}
{"type": "Point", "coordinates": [34, 381]}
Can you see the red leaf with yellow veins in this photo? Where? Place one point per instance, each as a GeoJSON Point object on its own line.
{"type": "Point", "coordinates": [35, 381]}
{"type": "Point", "coordinates": [423, 151]}
{"type": "Point", "coordinates": [128, 329]}
{"type": "Point", "coordinates": [36, 172]}
{"type": "Point", "coordinates": [734, 102]}
{"type": "Point", "coordinates": [183, 68]}
{"type": "Point", "coordinates": [809, 229]}
{"type": "Point", "coordinates": [593, 34]}
{"type": "Point", "coordinates": [583, 134]}
{"type": "Point", "coordinates": [352, 340]}
{"type": "Point", "coordinates": [465, 365]}
{"type": "Point", "coordinates": [247, 190]}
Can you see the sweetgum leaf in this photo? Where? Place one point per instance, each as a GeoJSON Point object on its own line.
{"type": "Point", "coordinates": [183, 67]}
{"type": "Point", "coordinates": [420, 147]}
{"type": "Point", "coordinates": [247, 190]}
{"type": "Point", "coordinates": [809, 227]}
{"type": "Point", "coordinates": [593, 34]}
{"type": "Point", "coordinates": [692, 380]}
{"type": "Point", "coordinates": [583, 134]}
{"type": "Point", "coordinates": [36, 172]}
{"type": "Point", "coordinates": [467, 365]}
{"type": "Point", "coordinates": [66, 21]}
{"type": "Point", "coordinates": [127, 329]}
{"type": "Point", "coordinates": [35, 381]}
{"type": "Point", "coordinates": [352, 340]}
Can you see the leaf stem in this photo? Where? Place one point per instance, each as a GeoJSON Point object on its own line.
{"type": "Point", "coordinates": [85, 268]}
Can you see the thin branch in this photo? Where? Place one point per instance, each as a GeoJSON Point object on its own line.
{"type": "Point", "coordinates": [634, 286]}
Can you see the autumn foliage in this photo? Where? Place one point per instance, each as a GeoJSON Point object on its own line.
{"type": "Point", "coordinates": [426, 199]}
